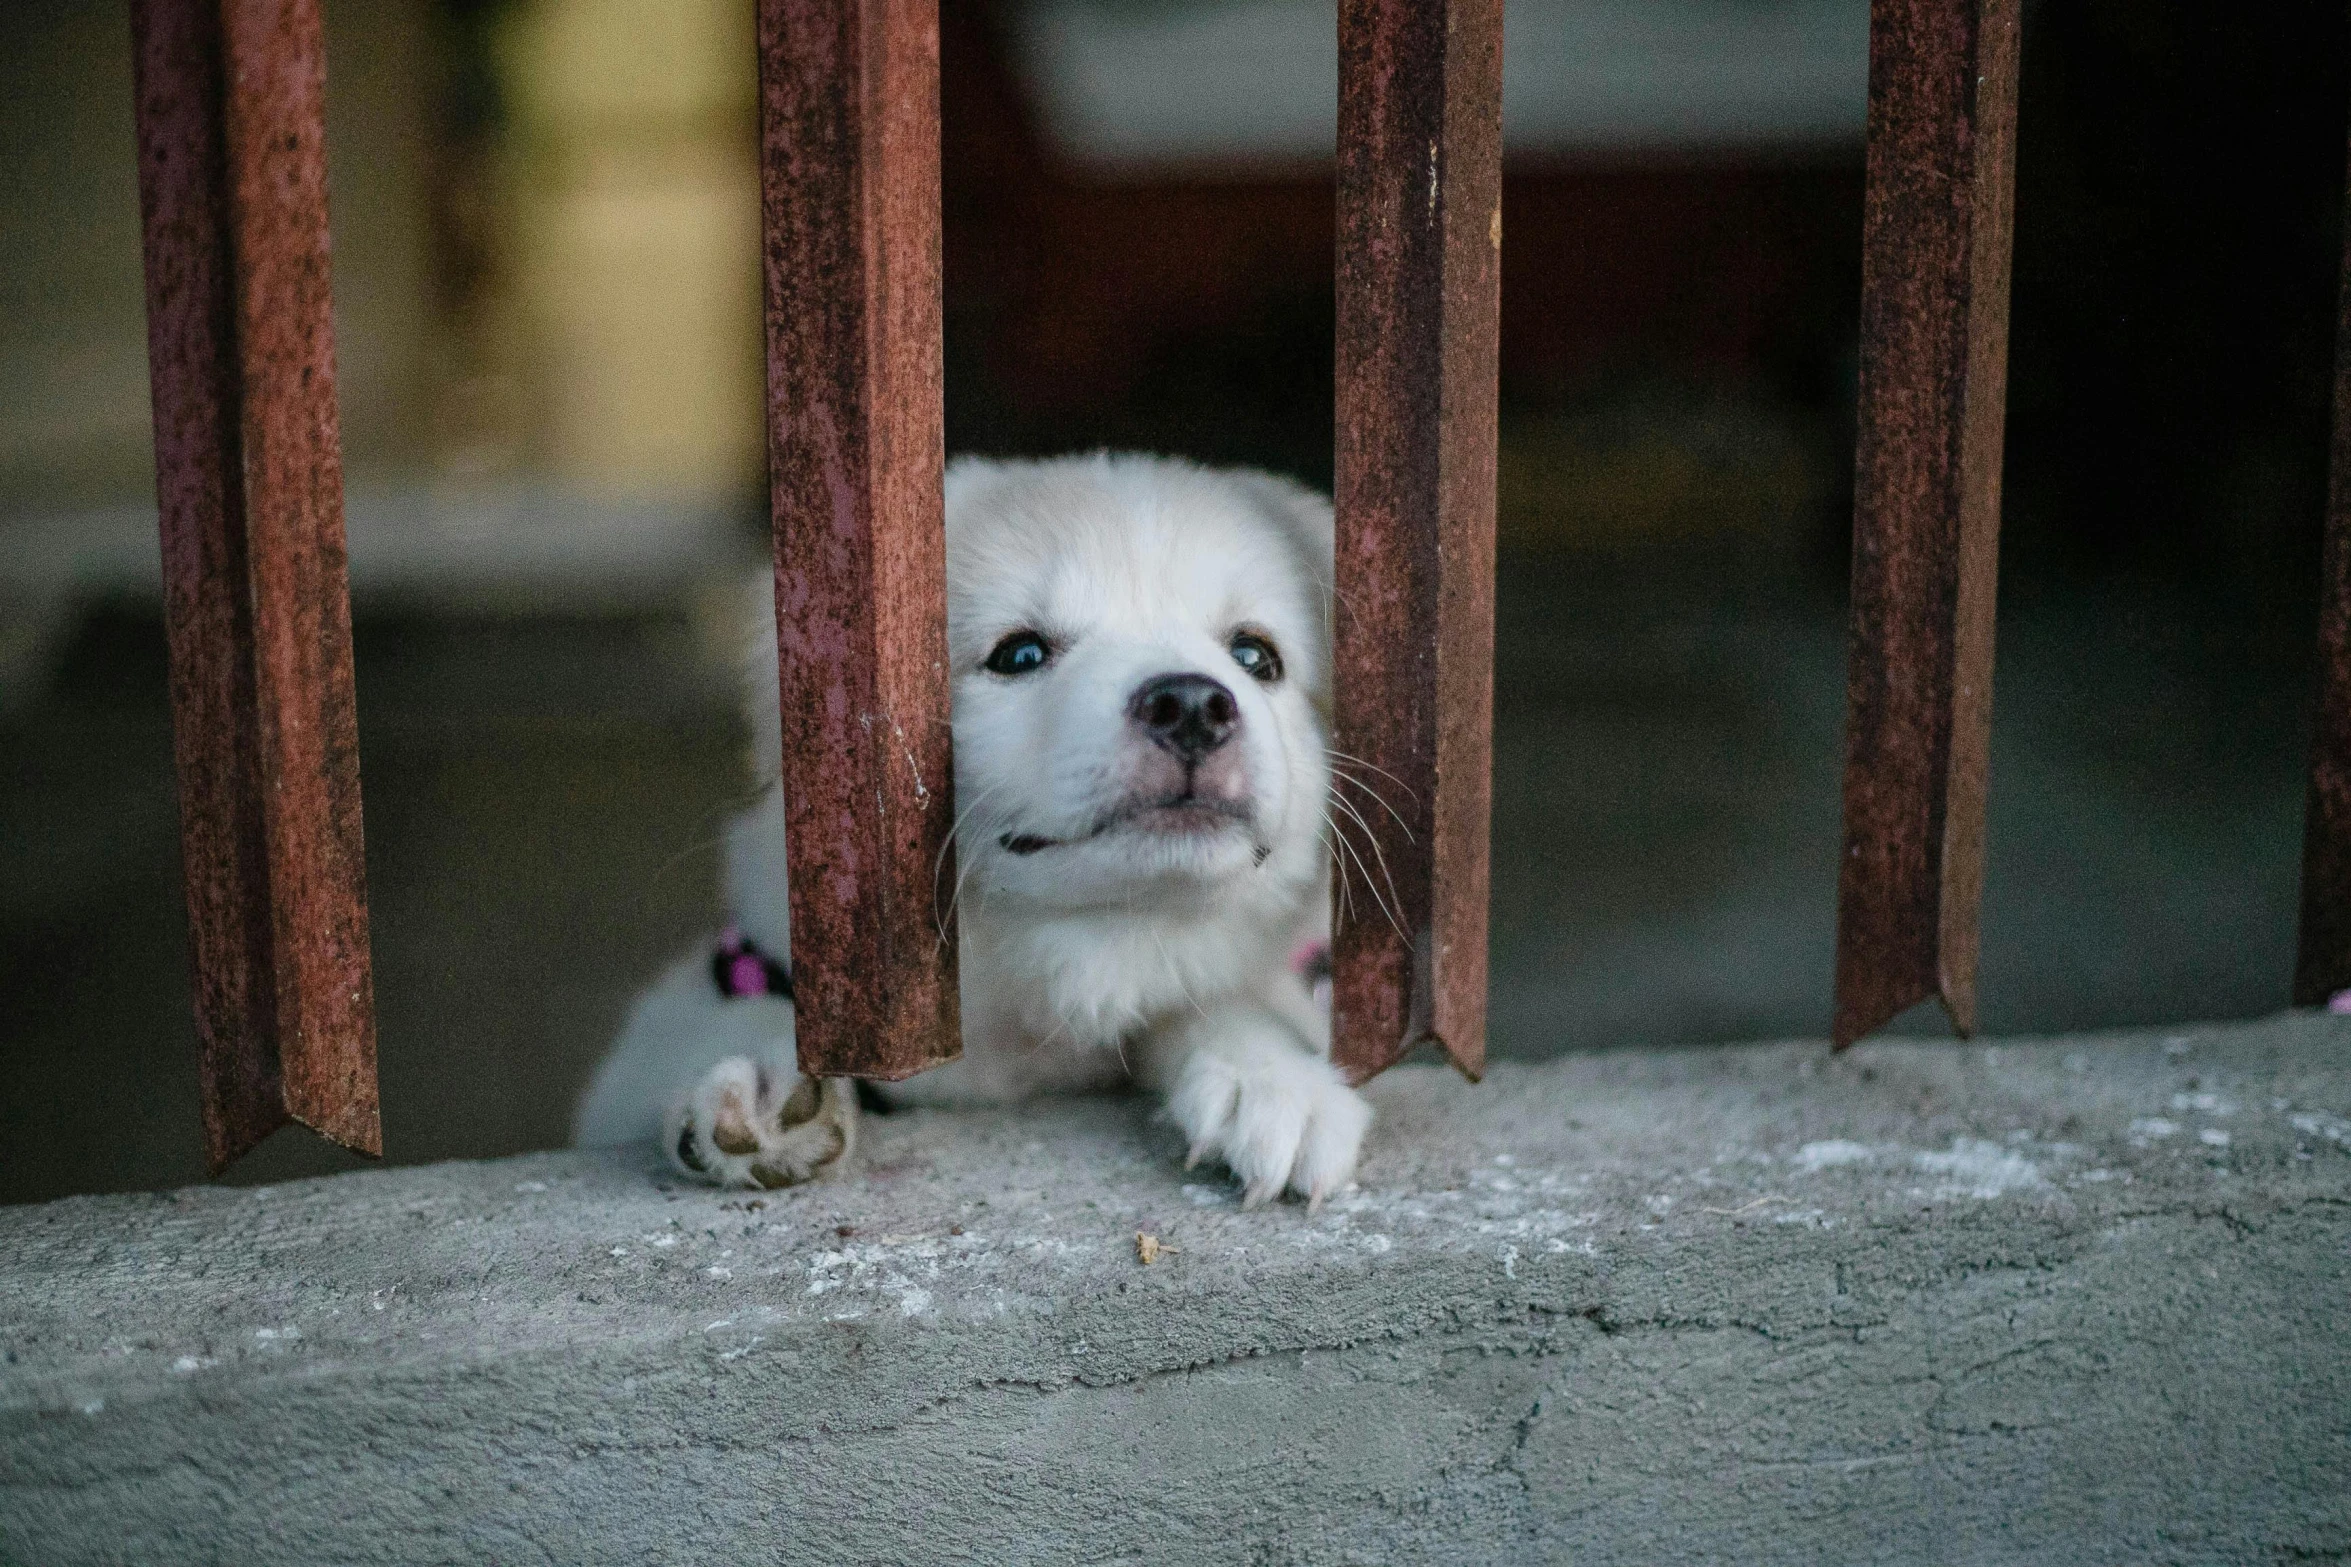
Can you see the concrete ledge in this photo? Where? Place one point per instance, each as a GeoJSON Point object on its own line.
{"type": "Point", "coordinates": [2076, 1300]}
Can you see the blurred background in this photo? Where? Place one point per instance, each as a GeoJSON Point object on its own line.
{"type": "Point", "coordinates": [545, 219]}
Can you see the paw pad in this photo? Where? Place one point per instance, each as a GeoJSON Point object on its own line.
{"type": "Point", "coordinates": [743, 1126]}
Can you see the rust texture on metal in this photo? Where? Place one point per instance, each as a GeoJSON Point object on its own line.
{"type": "Point", "coordinates": [849, 176]}
{"type": "Point", "coordinates": [1419, 268]}
{"type": "Point", "coordinates": [232, 182]}
{"type": "Point", "coordinates": [2322, 960]}
{"type": "Point", "coordinates": [1936, 229]}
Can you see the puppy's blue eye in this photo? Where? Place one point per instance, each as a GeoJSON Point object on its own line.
{"type": "Point", "coordinates": [1256, 655]}
{"type": "Point", "coordinates": [1022, 653]}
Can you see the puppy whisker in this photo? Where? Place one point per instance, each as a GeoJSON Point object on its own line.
{"type": "Point", "coordinates": [1341, 775]}
{"type": "Point", "coordinates": [963, 863]}
{"type": "Point", "coordinates": [954, 833]}
{"type": "Point", "coordinates": [1331, 843]}
{"type": "Point", "coordinates": [1394, 911]}
{"type": "Point", "coordinates": [1349, 853]}
{"type": "Point", "coordinates": [698, 846]}
{"type": "Point", "coordinates": [1337, 755]}
{"type": "Point", "coordinates": [963, 870]}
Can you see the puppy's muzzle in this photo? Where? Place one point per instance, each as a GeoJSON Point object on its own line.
{"type": "Point", "coordinates": [1188, 715]}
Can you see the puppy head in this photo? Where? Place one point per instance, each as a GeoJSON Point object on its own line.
{"type": "Point", "coordinates": [1141, 657]}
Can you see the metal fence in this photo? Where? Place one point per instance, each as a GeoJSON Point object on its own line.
{"type": "Point", "coordinates": [233, 187]}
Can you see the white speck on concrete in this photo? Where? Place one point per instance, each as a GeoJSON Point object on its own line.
{"type": "Point", "coordinates": [530, 1186]}
{"type": "Point", "coordinates": [189, 1365]}
{"type": "Point", "coordinates": [2213, 1137]}
{"type": "Point", "coordinates": [1981, 1169]}
{"type": "Point", "coordinates": [2317, 1123]}
{"type": "Point", "coordinates": [2152, 1128]}
{"type": "Point", "coordinates": [2207, 1103]}
{"type": "Point", "coordinates": [1832, 1154]}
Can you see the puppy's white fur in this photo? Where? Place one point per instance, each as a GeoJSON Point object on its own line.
{"type": "Point", "coordinates": [1107, 935]}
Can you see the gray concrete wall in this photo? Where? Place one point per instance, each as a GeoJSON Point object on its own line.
{"type": "Point", "coordinates": [2078, 1300]}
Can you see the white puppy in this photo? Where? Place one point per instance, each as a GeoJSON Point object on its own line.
{"type": "Point", "coordinates": [1141, 653]}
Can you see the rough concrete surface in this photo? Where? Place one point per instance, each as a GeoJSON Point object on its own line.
{"type": "Point", "coordinates": [2078, 1300]}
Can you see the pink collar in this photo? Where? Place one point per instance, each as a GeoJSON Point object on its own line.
{"type": "Point", "coordinates": [740, 969]}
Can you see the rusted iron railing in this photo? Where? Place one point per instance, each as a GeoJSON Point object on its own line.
{"type": "Point", "coordinates": [233, 187]}
{"type": "Point", "coordinates": [1419, 278]}
{"type": "Point", "coordinates": [849, 177]}
{"type": "Point", "coordinates": [2322, 960]}
{"type": "Point", "coordinates": [1926, 523]}
{"type": "Point", "coordinates": [248, 463]}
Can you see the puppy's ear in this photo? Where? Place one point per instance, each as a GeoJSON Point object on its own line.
{"type": "Point", "coordinates": [1303, 516]}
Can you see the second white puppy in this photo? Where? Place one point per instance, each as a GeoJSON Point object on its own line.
{"type": "Point", "coordinates": [1141, 653]}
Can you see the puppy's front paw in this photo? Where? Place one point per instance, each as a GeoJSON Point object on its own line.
{"type": "Point", "coordinates": [1278, 1121]}
{"type": "Point", "coordinates": [744, 1125]}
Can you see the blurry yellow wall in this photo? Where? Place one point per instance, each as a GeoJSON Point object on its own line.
{"type": "Point", "coordinates": [74, 409]}
{"type": "Point", "coordinates": [619, 344]}
{"type": "Point", "coordinates": [634, 205]}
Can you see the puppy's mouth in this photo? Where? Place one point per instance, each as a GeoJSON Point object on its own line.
{"type": "Point", "coordinates": [1183, 815]}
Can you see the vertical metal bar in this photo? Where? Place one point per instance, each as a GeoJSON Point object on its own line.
{"type": "Point", "coordinates": [1926, 525]}
{"type": "Point", "coordinates": [2322, 960]}
{"type": "Point", "coordinates": [248, 461]}
{"type": "Point", "coordinates": [849, 177]}
{"type": "Point", "coordinates": [1419, 268]}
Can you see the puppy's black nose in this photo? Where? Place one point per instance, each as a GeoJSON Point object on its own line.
{"type": "Point", "coordinates": [1190, 715]}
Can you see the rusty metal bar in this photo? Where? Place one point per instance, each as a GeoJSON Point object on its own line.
{"type": "Point", "coordinates": [2322, 960]}
{"type": "Point", "coordinates": [249, 484]}
{"type": "Point", "coordinates": [1926, 517]}
{"type": "Point", "coordinates": [849, 179]}
{"type": "Point", "coordinates": [1419, 268]}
